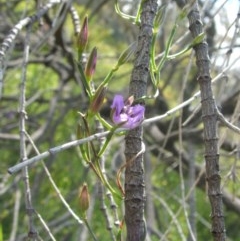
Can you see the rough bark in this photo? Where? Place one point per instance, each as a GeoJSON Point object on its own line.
{"type": "Point", "coordinates": [134, 173]}
{"type": "Point", "coordinates": [209, 118]}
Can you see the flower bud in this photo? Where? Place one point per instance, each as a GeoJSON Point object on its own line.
{"type": "Point", "coordinates": [84, 198]}
{"type": "Point", "coordinates": [83, 37]}
{"type": "Point", "coordinates": [91, 64]}
{"type": "Point", "coordinates": [98, 99]}
{"type": "Point", "coordinates": [129, 100]}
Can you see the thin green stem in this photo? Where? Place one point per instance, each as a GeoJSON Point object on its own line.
{"type": "Point", "coordinates": [152, 52]}
{"type": "Point", "coordinates": [108, 77]}
{"type": "Point", "coordinates": [106, 183]}
{"type": "Point", "coordinates": [108, 139]}
{"type": "Point", "coordinates": [166, 52]}
{"type": "Point", "coordinates": [173, 56]}
{"type": "Point", "coordinates": [103, 122]}
{"type": "Point", "coordinates": [123, 15]}
{"type": "Point", "coordinates": [138, 15]}
{"type": "Point", "coordinates": [89, 228]}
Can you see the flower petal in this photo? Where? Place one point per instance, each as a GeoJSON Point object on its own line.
{"type": "Point", "coordinates": [118, 104]}
{"type": "Point", "coordinates": [136, 116]}
{"type": "Point", "coordinates": [137, 110]}
{"type": "Point", "coordinates": [120, 119]}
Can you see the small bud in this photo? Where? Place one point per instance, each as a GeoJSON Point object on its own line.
{"type": "Point", "coordinates": [83, 37]}
{"type": "Point", "coordinates": [98, 99]}
{"type": "Point", "coordinates": [129, 100]}
{"type": "Point", "coordinates": [84, 198]}
{"type": "Point", "coordinates": [91, 64]}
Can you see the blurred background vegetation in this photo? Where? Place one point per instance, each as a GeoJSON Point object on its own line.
{"type": "Point", "coordinates": [54, 95]}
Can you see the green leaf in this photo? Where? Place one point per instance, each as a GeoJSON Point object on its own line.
{"type": "Point", "coordinates": [159, 16]}
{"type": "Point", "coordinates": [199, 39]}
{"type": "Point", "coordinates": [83, 79]}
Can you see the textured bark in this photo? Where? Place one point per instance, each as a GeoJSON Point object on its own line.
{"type": "Point", "coordinates": [134, 173]}
{"type": "Point", "coordinates": [209, 118]}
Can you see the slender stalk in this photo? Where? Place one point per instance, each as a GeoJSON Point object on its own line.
{"type": "Point", "coordinates": [102, 188]}
{"type": "Point", "coordinates": [15, 216]}
{"type": "Point", "coordinates": [32, 232]}
{"type": "Point", "coordinates": [89, 229]}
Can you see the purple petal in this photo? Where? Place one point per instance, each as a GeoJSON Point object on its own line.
{"type": "Point", "coordinates": [122, 118]}
{"type": "Point", "coordinates": [118, 104]}
{"type": "Point", "coordinates": [135, 116]}
{"type": "Point", "coordinates": [137, 110]}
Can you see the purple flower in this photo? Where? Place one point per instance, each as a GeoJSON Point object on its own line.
{"type": "Point", "coordinates": [125, 114]}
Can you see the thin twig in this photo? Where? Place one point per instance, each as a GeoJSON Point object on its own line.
{"type": "Point", "coordinates": [177, 213]}
{"type": "Point", "coordinates": [55, 150]}
{"type": "Point", "coordinates": [75, 20]}
{"type": "Point", "coordinates": [172, 215]}
{"type": "Point", "coordinates": [75, 216]}
{"type": "Point", "coordinates": [45, 226]}
{"type": "Point", "coordinates": [15, 215]}
{"type": "Point", "coordinates": [101, 190]}
{"type": "Point", "coordinates": [192, 235]}
{"type": "Point", "coordinates": [32, 232]}
{"type": "Point", "coordinates": [227, 123]}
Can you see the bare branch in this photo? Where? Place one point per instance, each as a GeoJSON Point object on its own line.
{"type": "Point", "coordinates": [227, 123]}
